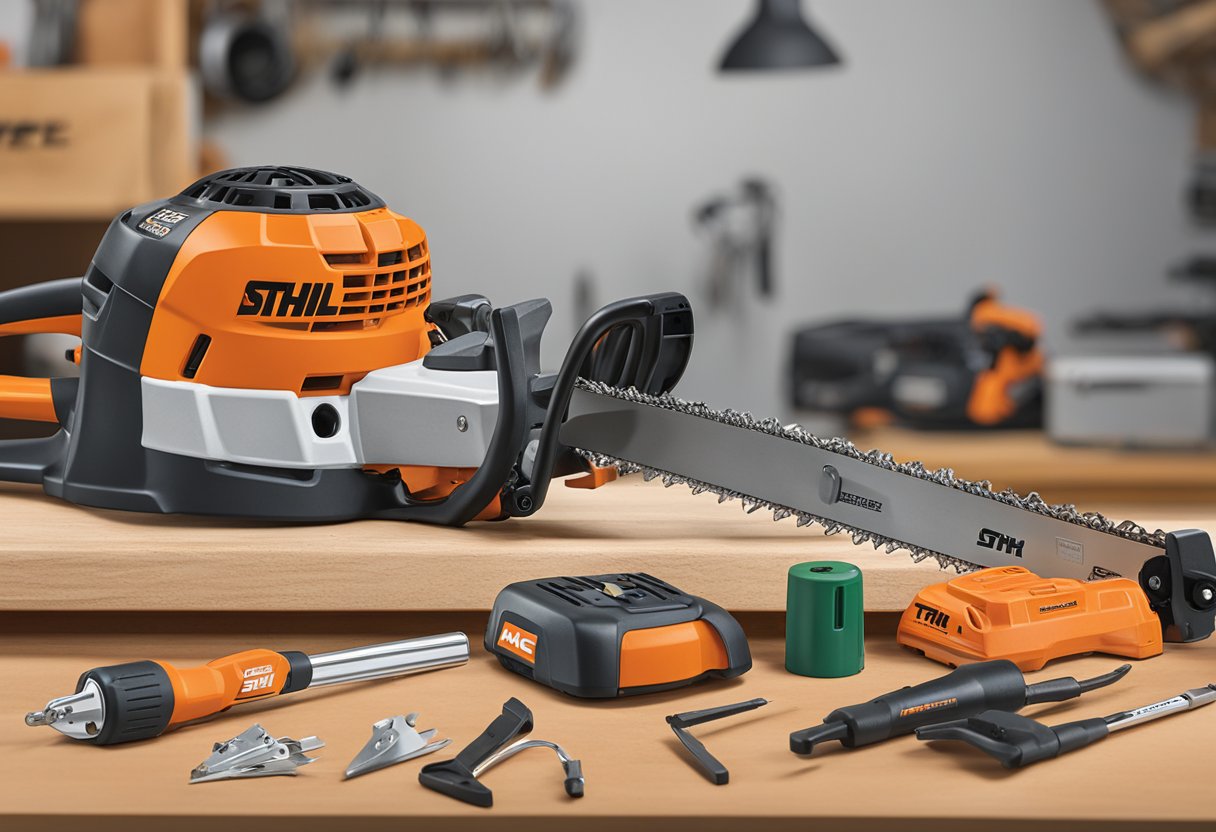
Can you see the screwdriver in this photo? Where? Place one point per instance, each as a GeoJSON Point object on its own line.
{"type": "Point", "coordinates": [966, 691]}
{"type": "Point", "coordinates": [140, 700]}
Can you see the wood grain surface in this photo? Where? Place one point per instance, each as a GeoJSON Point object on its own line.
{"type": "Point", "coordinates": [1153, 776]}
{"type": "Point", "coordinates": [57, 556]}
{"type": "Point", "coordinates": [1027, 461]}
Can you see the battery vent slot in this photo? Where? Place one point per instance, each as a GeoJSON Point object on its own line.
{"type": "Point", "coordinates": [322, 383]}
{"type": "Point", "coordinates": [559, 591]}
{"type": "Point", "coordinates": [196, 355]}
{"type": "Point", "coordinates": [94, 290]}
{"type": "Point", "coordinates": [343, 259]}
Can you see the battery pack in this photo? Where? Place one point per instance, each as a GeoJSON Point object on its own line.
{"type": "Point", "coordinates": [1008, 612]}
{"type": "Point", "coordinates": [602, 636]}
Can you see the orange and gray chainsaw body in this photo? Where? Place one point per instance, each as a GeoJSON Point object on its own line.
{"type": "Point", "coordinates": [264, 344]}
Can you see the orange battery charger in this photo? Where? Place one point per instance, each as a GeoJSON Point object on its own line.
{"type": "Point", "coordinates": [1008, 612]}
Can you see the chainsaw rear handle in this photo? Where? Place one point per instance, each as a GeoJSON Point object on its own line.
{"type": "Point", "coordinates": [52, 307]}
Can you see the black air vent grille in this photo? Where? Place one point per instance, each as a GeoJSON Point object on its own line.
{"type": "Point", "coordinates": [278, 189]}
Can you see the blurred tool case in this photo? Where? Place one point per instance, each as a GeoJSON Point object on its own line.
{"type": "Point", "coordinates": [602, 636]}
{"type": "Point", "coordinates": [981, 369]}
{"type": "Point", "coordinates": [1139, 401]}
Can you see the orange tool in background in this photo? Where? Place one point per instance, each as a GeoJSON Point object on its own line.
{"type": "Point", "coordinates": [1011, 613]}
{"type": "Point", "coordinates": [140, 700]}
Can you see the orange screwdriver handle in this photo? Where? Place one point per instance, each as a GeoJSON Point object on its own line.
{"type": "Point", "coordinates": [242, 677]}
{"type": "Point", "coordinates": [141, 700]}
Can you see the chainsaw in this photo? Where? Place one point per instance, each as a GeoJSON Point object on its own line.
{"type": "Point", "coordinates": [264, 344]}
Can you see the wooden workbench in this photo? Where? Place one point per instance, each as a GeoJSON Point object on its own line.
{"type": "Point", "coordinates": [112, 560]}
{"type": "Point", "coordinates": [1155, 776]}
{"type": "Point", "coordinates": [83, 588]}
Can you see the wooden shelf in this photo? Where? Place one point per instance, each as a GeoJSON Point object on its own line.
{"type": "Point", "coordinates": [1150, 777]}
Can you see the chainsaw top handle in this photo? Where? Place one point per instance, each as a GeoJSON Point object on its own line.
{"type": "Point", "coordinates": [642, 342]}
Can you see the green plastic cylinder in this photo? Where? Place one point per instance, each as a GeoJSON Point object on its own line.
{"type": "Point", "coordinates": [824, 620]}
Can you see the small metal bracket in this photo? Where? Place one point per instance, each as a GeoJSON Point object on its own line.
{"type": "Point", "coordinates": [394, 740]}
{"type": "Point", "coordinates": [254, 753]}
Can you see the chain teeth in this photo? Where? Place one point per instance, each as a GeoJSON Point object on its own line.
{"type": "Point", "coordinates": [796, 433]}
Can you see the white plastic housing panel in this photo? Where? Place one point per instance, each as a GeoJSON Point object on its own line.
{"type": "Point", "coordinates": [402, 415]}
{"type": "Point", "coordinates": [409, 414]}
{"type": "Point", "coordinates": [254, 427]}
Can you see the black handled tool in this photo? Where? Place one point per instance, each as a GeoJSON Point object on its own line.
{"type": "Point", "coordinates": [710, 765]}
{"type": "Point", "coordinates": [458, 777]}
{"type": "Point", "coordinates": [1018, 740]}
{"type": "Point", "coordinates": [971, 689]}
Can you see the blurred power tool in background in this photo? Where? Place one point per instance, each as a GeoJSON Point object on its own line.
{"type": "Point", "coordinates": [740, 229]}
{"type": "Point", "coordinates": [979, 370]}
{"type": "Point", "coordinates": [1189, 328]}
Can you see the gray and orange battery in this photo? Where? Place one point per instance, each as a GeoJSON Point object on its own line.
{"type": "Point", "coordinates": [601, 636]}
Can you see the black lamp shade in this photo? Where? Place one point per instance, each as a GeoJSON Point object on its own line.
{"type": "Point", "coordinates": [778, 37]}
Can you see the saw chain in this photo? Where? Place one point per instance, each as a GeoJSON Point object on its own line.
{"type": "Point", "coordinates": [944, 477]}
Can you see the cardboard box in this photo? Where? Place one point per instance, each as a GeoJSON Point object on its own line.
{"type": "Point", "coordinates": [89, 143]}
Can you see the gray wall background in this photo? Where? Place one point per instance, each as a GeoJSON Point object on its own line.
{"type": "Point", "coordinates": [964, 142]}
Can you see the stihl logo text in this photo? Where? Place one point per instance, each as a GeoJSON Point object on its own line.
{"type": "Point", "coordinates": [257, 679]}
{"type": "Point", "coordinates": [518, 641]}
{"type": "Point", "coordinates": [996, 541]}
{"type": "Point", "coordinates": [933, 617]}
{"type": "Point", "coordinates": [288, 300]}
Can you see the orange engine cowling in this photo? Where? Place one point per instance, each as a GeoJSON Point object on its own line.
{"type": "Point", "coordinates": [319, 299]}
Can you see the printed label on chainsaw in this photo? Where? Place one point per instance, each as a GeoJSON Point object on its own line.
{"type": "Point", "coordinates": [519, 641]}
{"type": "Point", "coordinates": [160, 223]}
{"type": "Point", "coordinates": [992, 539]}
{"type": "Point", "coordinates": [859, 501]}
{"type": "Point", "coordinates": [280, 299]}
{"type": "Point", "coordinates": [1070, 550]}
